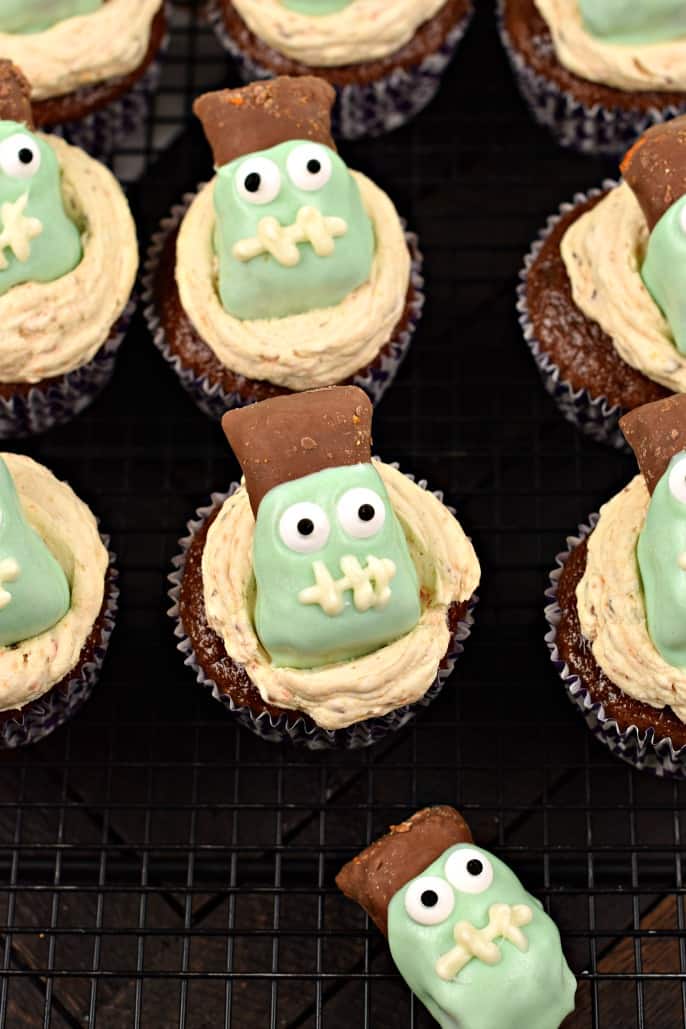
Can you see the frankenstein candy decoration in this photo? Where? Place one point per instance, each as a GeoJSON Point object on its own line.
{"type": "Point", "coordinates": [34, 592]}
{"type": "Point", "coordinates": [333, 573]}
{"type": "Point", "coordinates": [316, 7]}
{"type": "Point", "coordinates": [471, 943]}
{"type": "Point", "coordinates": [38, 241]}
{"type": "Point", "coordinates": [625, 21]}
{"type": "Point", "coordinates": [292, 234]}
{"type": "Point", "coordinates": [23, 16]}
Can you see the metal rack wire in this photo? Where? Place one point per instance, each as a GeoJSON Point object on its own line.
{"type": "Point", "coordinates": [160, 867]}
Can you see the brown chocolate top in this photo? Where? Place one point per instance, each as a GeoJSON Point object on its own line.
{"type": "Point", "coordinates": [264, 114]}
{"type": "Point", "coordinates": [655, 168]}
{"type": "Point", "coordinates": [15, 94]}
{"type": "Point", "coordinates": [385, 866]}
{"type": "Point", "coordinates": [655, 433]}
{"type": "Point", "coordinates": [288, 437]}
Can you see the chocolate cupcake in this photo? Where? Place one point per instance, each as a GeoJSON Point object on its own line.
{"type": "Point", "coordinates": [91, 63]}
{"type": "Point", "coordinates": [287, 271]}
{"type": "Point", "coordinates": [384, 60]}
{"type": "Point", "coordinates": [618, 602]}
{"type": "Point", "coordinates": [601, 298]}
{"type": "Point", "coordinates": [57, 601]}
{"type": "Point", "coordinates": [597, 74]}
{"type": "Point", "coordinates": [329, 596]}
{"type": "Point", "coordinates": [472, 944]}
{"type": "Point", "coordinates": [68, 263]}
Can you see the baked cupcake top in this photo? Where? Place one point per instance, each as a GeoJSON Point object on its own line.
{"type": "Point", "coordinates": [625, 45]}
{"type": "Point", "coordinates": [474, 946]}
{"type": "Point", "coordinates": [68, 249]}
{"type": "Point", "coordinates": [327, 575]}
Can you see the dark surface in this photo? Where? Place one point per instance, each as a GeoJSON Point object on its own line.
{"type": "Point", "coordinates": [152, 847]}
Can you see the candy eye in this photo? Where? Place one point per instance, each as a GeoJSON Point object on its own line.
{"type": "Point", "coordinates": [677, 481]}
{"type": "Point", "coordinates": [469, 871]}
{"type": "Point", "coordinates": [429, 900]}
{"type": "Point", "coordinates": [20, 156]}
{"type": "Point", "coordinates": [361, 512]}
{"type": "Point", "coordinates": [304, 527]}
{"type": "Point", "coordinates": [258, 180]}
{"type": "Point", "coordinates": [309, 166]}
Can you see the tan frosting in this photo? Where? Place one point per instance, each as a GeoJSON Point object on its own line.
{"type": "Point", "coordinates": [108, 42]}
{"type": "Point", "coordinates": [49, 328]}
{"type": "Point", "coordinates": [611, 608]}
{"type": "Point", "coordinates": [649, 66]}
{"type": "Point", "coordinates": [29, 669]}
{"type": "Point", "coordinates": [603, 253]}
{"type": "Point", "coordinates": [340, 694]}
{"type": "Point", "coordinates": [367, 30]}
{"type": "Point", "coordinates": [317, 348]}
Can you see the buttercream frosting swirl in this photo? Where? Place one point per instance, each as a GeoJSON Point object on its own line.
{"type": "Point", "coordinates": [639, 67]}
{"type": "Point", "coordinates": [366, 30]}
{"type": "Point", "coordinates": [317, 348]}
{"type": "Point", "coordinates": [338, 695]}
{"type": "Point", "coordinates": [612, 610]}
{"type": "Point", "coordinates": [50, 328]}
{"type": "Point", "coordinates": [64, 522]}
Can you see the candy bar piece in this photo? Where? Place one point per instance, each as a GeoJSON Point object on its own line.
{"type": "Point", "coordinates": [15, 95]}
{"type": "Point", "coordinates": [655, 433]}
{"type": "Point", "coordinates": [384, 867]}
{"type": "Point", "coordinates": [655, 168]}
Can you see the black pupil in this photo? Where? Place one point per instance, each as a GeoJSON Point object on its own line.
{"type": "Point", "coordinates": [305, 527]}
{"type": "Point", "coordinates": [25, 155]}
{"type": "Point", "coordinates": [314, 166]}
{"type": "Point", "coordinates": [253, 181]}
{"type": "Point", "coordinates": [366, 513]}
{"type": "Point", "coordinates": [429, 898]}
{"type": "Point", "coordinates": [475, 867]}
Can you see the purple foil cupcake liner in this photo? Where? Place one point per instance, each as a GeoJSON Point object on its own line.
{"type": "Point", "coordinates": [590, 130]}
{"type": "Point", "coordinates": [52, 710]}
{"type": "Point", "coordinates": [305, 732]}
{"type": "Point", "coordinates": [644, 750]}
{"type": "Point", "coordinates": [594, 416]}
{"type": "Point", "coordinates": [372, 109]}
{"type": "Point", "coordinates": [215, 401]}
{"type": "Point", "coordinates": [44, 407]}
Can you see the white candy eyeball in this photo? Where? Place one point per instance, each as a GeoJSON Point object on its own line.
{"type": "Point", "coordinates": [429, 900]}
{"type": "Point", "coordinates": [19, 156]}
{"type": "Point", "coordinates": [469, 871]}
{"type": "Point", "coordinates": [309, 166]}
{"type": "Point", "coordinates": [258, 180]}
{"type": "Point", "coordinates": [361, 512]}
{"type": "Point", "coordinates": [304, 527]}
{"type": "Point", "coordinates": [677, 481]}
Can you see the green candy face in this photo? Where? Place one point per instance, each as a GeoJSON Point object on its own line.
{"type": "Point", "coordinates": [34, 592]}
{"type": "Point", "coordinates": [315, 7]}
{"type": "Point", "coordinates": [664, 269]}
{"type": "Point", "coordinates": [38, 242]}
{"type": "Point", "coordinates": [469, 902]}
{"type": "Point", "coordinates": [626, 22]}
{"type": "Point", "coordinates": [334, 576]}
{"type": "Point", "coordinates": [292, 234]}
{"type": "Point", "coordinates": [21, 16]}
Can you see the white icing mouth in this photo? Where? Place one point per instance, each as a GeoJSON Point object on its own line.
{"type": "Point", "coordinates": [281, 241]}
{"type": "Point", "coordinates": [370, 584]}
{"type": "Point", "coordinates": [504, 922]}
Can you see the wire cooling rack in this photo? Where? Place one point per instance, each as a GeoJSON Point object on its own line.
{"type": "Point", "coordinates": [160, 867]}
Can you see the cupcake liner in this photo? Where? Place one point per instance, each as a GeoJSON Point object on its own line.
{"type": "Point", "coordinates": [43, 408]}
{"type": "Point", "coordinates": [372, 109]}
{"type": "Point", "coordinates": [644, 750]}
{"type": "Point", "coordinates": [49, 712]}
{"type": "Point", "coordinates": [215, 401]}
{"type": "Point", "coordinates": [305, 732]}
{"type": "Point", "coordinates": [594, 416]}
{"type": "Point", "coordinates": [591, 130]}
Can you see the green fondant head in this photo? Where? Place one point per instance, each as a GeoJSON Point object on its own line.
{"type": "Point", "coordinates": [21, 16]}
{"type": "Point", "coordinates": [34, 592]}
{"type": "Point", "coordinates": [527, 985]}
{"type": "Point", "coordinates": [664, 269]}
{"type": "Point", "coordinates": [307, 532]}
{"type": "Point", "coordinates": [38, 241]}
{"type": "Point", "coordinates": [316, 6]}
{"type": "Point", "coordinates": [628, 22]}
{"type": "Point", "coordinates": [318, 268]}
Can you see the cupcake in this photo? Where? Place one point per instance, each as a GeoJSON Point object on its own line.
{"type": "Point", "coordinates": [618, 602]}
{"type": "Point", "coordinates": [57, 601]}
{"type": "Point", "coordinates": [91, 63]}
{"type": "Point", "coordinates": [287, 271]}
{"type": "Point", "coordinates": [384, 60]}
{"type": "Point", "coordinates": [597, 73]}
{"type": "Point", "coordinates": [68, 262]}
{"type": "Point", "coordinates": [328, 596]}
{"type": "Point", "coordinates": [472, 944]}
{"type": "Point", "coordinates": [602, 295]}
